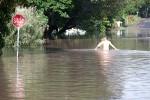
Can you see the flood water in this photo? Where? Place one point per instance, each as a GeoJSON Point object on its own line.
{"type": "Point", "coordinates": [77, 74]}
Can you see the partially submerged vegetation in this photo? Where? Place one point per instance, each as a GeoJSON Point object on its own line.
{"type": "Point", "coordinates": [32, 33]}
{"type": "Point", "coordinates": [50, 19]}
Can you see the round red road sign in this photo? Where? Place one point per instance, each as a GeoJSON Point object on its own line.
{"type": "Point", "coordinates": [18, 20]}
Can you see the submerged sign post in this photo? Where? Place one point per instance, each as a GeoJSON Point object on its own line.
{"type": "Point", "coordinates": [18, 21]}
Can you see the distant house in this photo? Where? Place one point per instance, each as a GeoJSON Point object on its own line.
{"type": "Point", "coordinates": [119, 23]}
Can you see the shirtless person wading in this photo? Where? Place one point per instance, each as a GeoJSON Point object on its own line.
{"type": "Point", "coordinates": [105, 44]}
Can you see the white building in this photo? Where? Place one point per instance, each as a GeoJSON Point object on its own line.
{"type": "Point", "coordinates": [74, 31]}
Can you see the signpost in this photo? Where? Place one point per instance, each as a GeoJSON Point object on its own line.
{"type": "Point", "coordinates": [18, 21]}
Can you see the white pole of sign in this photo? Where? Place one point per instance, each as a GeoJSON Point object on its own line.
{"type": "Point", "coordinates": [17, 47]}
{"type": "Point", "coordinates": [18, 29]}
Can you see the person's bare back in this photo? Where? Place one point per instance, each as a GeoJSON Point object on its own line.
{"type": "Point", "coordinates": [105, 44]}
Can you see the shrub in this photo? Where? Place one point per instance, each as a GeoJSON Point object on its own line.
{"type": "Point", "coordinates": [32, 32]}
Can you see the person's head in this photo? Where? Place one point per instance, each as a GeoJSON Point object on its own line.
{"type": "Point", "coordinates": [104, 38]}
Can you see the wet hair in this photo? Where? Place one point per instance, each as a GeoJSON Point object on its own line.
{"type": "Point", "coordinates": [104, 38]}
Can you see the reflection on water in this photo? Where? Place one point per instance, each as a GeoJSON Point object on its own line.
{"type": "Point", "coordinates": [104, 57]}
{"type": "Point", "coordinates": [75, 74]}
{"type": "Point", "coordinates": [20, 92]}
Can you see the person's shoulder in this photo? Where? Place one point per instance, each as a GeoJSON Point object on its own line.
{"type": "Point", "coordinates": [109, 42]}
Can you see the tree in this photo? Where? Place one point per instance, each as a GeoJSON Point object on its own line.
{"type": "Point", "coordinates": [5, 15]}
{"type": "Point", "coordinates": [145, 9]}
{"type": "Point", "coordinates": [65, 14]}
{"type": "Point", "coordinates": [6, 9]}
{"type": "Point", "coordinates": [83, 15]}
{"type": "Point", "coordinates": [32, 32]}
{"type": "Point", "coordinates": [56, 11]}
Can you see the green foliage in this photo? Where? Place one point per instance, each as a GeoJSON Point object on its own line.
{"type": "Point", "coordinates": [132, 6]}
{"type": "Point", "coordinates": [59, 6]}
{"type": "Point", "coordinates": [104, 25]}
{"type": "Point", "coordinates": [5, 11]}
{"type": "Point", "coordinates": [31, 34]}
{"type": "Point", "coordinates": [147, 2]}
{"type": "Point", "coordinates": [89, 11]}
{"type": "Point", "coordinates": [64, 14]}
